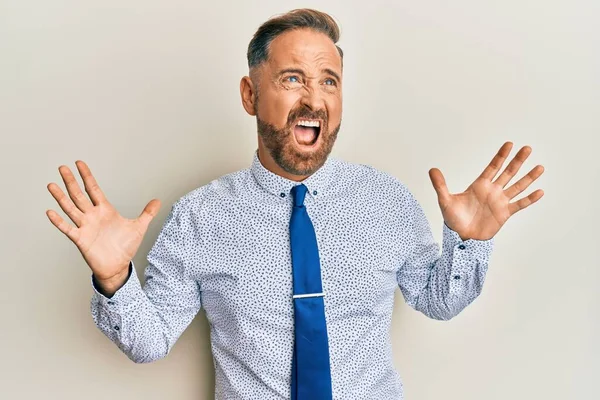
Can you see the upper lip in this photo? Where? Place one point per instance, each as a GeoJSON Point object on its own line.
{"type": "Point", "coordinates": [307, 119]}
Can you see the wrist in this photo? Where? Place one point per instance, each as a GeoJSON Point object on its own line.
{"type": "Point", "coordinates": [108, 287]}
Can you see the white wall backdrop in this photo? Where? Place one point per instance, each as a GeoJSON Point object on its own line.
{"type": "Point", "coordinates": [146, 92]}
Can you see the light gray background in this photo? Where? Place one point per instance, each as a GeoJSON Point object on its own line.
{"type": "Point", "coordinates": [146, 92]}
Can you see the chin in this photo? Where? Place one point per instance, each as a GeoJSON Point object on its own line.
{"type": "Point", "coordinates": [292, 156]}
{"type": "Point", "coordinates": [301, 160]}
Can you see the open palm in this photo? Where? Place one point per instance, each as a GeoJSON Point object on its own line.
{"type": "Point", "coordinates": [484, 207]}
{"type": "Point", "coordinates": [106, 240]}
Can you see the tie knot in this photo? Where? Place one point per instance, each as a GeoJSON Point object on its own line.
{"type": "Point", "coordinates": [299, 192]}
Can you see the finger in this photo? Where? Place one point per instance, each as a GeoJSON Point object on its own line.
{"type": "Point", "coordinates": [439, 184]}
{"type": "Point", "coordinates": [494, 166]}
{"type": "Point", "coordinates": [65, 204]}
{"type": "Point", "coordinates": [75, 193]}
{"type": "Point", "coordinates": [524, 182]}
{"type": "Point", "coordinates": [513, 167]}
{"type": "Point", "coordinates": [149, 212]}
{"type": "Point", "coordinates": [91, 186]}
{"type": "Point", "coordinates": [525, 202]}
{"type": "Point", "coordinates": [70, 231]}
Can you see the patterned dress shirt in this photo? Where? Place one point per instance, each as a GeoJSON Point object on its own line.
{"type": "Point", "coordinates": [225, 247]}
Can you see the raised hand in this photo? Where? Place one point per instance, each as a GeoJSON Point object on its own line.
{"type": "Point", "coordinates": [480, 211]}
{"type": "Point", "coordinates": [107, 241]}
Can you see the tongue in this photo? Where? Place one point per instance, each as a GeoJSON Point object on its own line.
{"type": "Point", "coordinates": [305, 135]}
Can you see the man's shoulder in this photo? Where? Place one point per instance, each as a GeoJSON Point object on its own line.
{"type": "Point", "coordinates": [379, 186]}
{"type": "Point", "coordinates": [227, 186]}
{"type": "Point", "coordinates": [374, 177]}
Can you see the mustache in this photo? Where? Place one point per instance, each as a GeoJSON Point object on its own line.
{"type": "Point", "coordinates": [304, 113]}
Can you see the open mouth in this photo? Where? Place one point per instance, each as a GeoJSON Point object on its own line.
{"type": "Point", "coordinates": [307, 132]}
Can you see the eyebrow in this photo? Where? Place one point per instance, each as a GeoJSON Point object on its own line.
{"type": "Point", "coordinates": [301, 72]}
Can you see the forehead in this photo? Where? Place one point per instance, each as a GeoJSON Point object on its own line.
{"type": "Point", "coordinates": [305, 48]}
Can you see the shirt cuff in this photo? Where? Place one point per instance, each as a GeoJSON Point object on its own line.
{"type": "Point", "coordinates": [470, 249]}
{"type": "Point", "coordinates": [122, 298]}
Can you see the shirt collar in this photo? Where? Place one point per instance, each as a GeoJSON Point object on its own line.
{"type": "Point", "coordinates": [318, 183]}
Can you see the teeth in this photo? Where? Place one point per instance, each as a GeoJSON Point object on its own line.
{"type": "Point", "coordinates": [314, 124]}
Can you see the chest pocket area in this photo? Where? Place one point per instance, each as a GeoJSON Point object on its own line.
{"type": "Point", "coordinates": [248, 282]}
{"type": "Point", "coordinates": [359, 263]}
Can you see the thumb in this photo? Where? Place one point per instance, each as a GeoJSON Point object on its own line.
{"type": "Point", "coordinates": [439, 184]}
{"type": "Point", "coordinates": [149, 213]}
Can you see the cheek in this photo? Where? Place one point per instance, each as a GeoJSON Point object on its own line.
{"type": "Point", "coordinates": [335, 113]}
{"type": "Point", "coordinates": [276, 109]}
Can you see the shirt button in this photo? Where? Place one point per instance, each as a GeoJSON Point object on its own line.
{"type": "Point", "coordinates": [462, 247]}
{"type": "Point", "coordinates": [111, 302]}
{"type": "Point", "coordinates": [116, 327]}
{"type": "Point", "coordinates": [457, 277]}
{"type": "Point", "coordinates": [315, 192]}
{"type": "Point", "coordinates": [282, 194]}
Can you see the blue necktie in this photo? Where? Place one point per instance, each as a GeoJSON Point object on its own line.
{"type": "Point", "coordinates": [311, 376]}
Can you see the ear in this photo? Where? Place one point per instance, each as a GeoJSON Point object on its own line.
{"type": "Point", "coordinates": [248, 95]}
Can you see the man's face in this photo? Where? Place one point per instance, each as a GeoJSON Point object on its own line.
{"type": "Point", "coordinates": [299, 100]}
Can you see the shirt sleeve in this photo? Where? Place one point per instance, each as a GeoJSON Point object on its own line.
{"type": "Point", "coordinates": [441, 286]}
{"type": "Point", "coordinates": [145, 322]}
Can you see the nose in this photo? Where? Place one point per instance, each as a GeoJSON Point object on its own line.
{"type": "Point", "coordinates": [313, 98]}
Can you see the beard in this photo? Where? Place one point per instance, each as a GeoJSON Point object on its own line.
{"type": "Point", "coordinates": [280, 143]}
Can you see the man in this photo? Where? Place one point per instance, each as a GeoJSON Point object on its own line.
{"type": "Point", "coordinates": [296, 258]}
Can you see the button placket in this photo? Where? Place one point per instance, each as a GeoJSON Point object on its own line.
{"type": "Point", "coordinates": [458, 276]}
